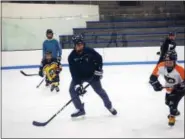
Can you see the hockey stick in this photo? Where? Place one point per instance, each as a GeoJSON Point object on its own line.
{"type": "Point", "coordinates": [41, 82]}
{"type": "Point", "coordinates": [25, 74]}
{"type": "Point", "coordinates": [35, 123]}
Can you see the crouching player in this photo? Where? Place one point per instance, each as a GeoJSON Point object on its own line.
{"type": "Point", "coordinates": [50, 67]}
{"type": "Point", "coordinates": [175, 81]}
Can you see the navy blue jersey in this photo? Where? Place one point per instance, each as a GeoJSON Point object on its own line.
{"type": "Point", "coordinates": [82, 66]}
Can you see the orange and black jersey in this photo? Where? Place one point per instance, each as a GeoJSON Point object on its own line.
{"type": "Point", "coordinates": [174, 77]}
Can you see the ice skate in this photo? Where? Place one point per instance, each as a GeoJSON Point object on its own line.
{"type": "Point", "coordinates": [113, 111]}
{"type": "Point", "coordinates": [78, 113]}
{"type": "Point", "coordinates": [171, 120]}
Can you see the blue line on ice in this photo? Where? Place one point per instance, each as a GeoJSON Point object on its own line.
{"type": "Point", "coordinates": [105, 64]}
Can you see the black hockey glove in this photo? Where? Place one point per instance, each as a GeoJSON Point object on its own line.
{"type": "Point", "coordinates": [158, 53]}
{"type": "Point", "coordinates": [98, 74]}
{"type": "Point", "coordinates": [41, 73]}
{"type": "Point", "coordinates": [79, 88]}
{"type": "Point", "coordinates": [180, 86]}
{"type": "Point", "coordinates": [156, 85]}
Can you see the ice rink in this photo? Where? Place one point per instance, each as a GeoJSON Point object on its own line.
{"type": "Point", "coordinates": [141, 111]}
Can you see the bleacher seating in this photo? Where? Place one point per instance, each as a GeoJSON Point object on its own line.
{"type": "Point", "coordinates": [145, 24]}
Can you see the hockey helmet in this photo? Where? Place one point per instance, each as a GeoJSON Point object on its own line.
{"type": "Point", "coordinates": [78, 39]}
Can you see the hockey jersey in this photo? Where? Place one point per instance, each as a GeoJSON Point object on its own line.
{"type": "Point", "coordinates": [50, 67]}
{"type": "Point", "coordinates": [174, 77]}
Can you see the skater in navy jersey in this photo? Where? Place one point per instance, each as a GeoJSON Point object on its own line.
{"type": "Point", "coordinates": [85, 65]}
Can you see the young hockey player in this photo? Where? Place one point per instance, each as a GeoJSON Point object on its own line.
{"type": "Point", "coordinates": [52, 45]}
{"type": "Point", "coordinates": [168, 44]}
{"type": "Point", "coordinates": [86, 64]}
{"type": "Point", "coordinates": [175, 81]}
{"type": "Point", "coordinates": [50, 67]}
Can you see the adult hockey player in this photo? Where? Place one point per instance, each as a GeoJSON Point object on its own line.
{"type": "Point", "coordinates": [168, 44]}
{"type": "Point", "coordinates": [52, 45]}
{"type": "Point", "coordinates": [85, 65]}
{"type": "Point", "coordinates": [50, 67]}
{"type": "Point", "coordinates": [175, 81]}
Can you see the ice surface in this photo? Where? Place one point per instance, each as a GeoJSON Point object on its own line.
{"type": "Point", "coordinates": [141, 111]}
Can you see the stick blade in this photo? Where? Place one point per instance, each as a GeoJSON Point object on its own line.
{"type": "Point", "coordinates": [23, 73]}
{"type": "Point", "coordinates": [35, 123]}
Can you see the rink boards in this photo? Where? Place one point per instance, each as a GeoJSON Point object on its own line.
{"type": "Point", "coordinates": [111, 56]}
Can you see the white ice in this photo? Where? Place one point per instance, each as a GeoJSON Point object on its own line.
{"type": "Point", "coordinates": [141, 111]}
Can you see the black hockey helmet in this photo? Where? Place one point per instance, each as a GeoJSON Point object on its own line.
{"type": "Point", "coordinates": [49, 31]}
{"type": "Point", "coordinates": [78, 39]}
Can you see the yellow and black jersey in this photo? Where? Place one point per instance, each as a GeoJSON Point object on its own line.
{"type": "Point", "coordinates": [49, 68]}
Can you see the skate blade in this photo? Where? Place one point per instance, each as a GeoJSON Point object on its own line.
{"type": "Point", "coordinates": [78, 118]}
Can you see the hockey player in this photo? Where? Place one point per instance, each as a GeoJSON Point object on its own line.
{"type": "Point", "coordinates": [175, 81]}
{"type": "Point", "coordinates": [51, 68]}
{"type": "Point", "coordinates": [168, 44]}
{"type": "Point", "coordinates": [86, 64]}
{"type": "Point", "coordinates": [52, 45]}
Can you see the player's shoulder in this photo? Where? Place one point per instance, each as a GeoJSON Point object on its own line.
{"type": "Point", "coordinates": [45, 41]}
{"type": "Point", "coordinates": [179, 68]}
{"type": "Point", "coordinates": [88, 49]}
{"type": "Point", "coordinates": [161, 64]}
{"type": "Point", "coordinates": [55, 40]}
{"type": "Point", "coordinates": [72, 54]}
{"type": "Point", "coordinates": [43, 62]}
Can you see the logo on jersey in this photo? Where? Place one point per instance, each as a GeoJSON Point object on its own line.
{"type": "Point", "coordinates": [169, 80]}
{"type": "Point", "coordinates": [171, 46]}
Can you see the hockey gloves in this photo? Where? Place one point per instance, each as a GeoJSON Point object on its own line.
{"type": "Point", "coordinates": [156, 85]}
{"type": "Point", "coordinates": [41, 74]}
{"type": "Point", "coordinates": [180, 86]}
{"type": "Point", "coordinates": [158, 53]}
{"type": "Point", "coordinates": [98, 75]}
{"type": "Point", "coordinates": [79, 89]}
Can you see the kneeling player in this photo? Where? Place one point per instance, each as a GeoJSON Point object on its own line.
{"type": "Point", "coordinates": [175, 81]}
{"type": "Point", "coordinates": [51, 68]}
